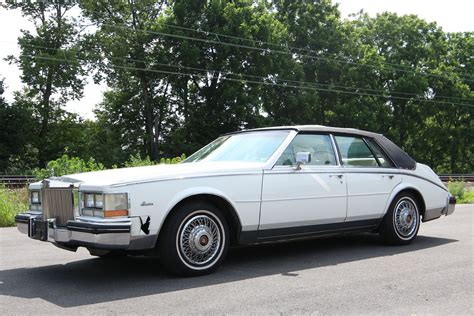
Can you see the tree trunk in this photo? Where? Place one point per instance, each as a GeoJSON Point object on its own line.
{"type": "Point", "coordinates": [148, 111]}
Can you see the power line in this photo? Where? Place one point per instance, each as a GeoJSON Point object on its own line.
{"type": "Point", "coordinates": [305, 83]}
{"type": "Point", "coordinates": [269, 50]}
{"type": "Point", "coordinates": [261, 77]}
{"type": "Point", "coordinates": [395, 66]}
{"type": "Point", "coordinates": [263, 83]}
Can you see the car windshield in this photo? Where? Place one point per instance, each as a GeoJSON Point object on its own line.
{"type": "Point", "coordinates": [248, 147]}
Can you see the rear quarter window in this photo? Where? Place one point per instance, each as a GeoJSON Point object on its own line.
{"type": "Point", "coordinates": [355, 152]}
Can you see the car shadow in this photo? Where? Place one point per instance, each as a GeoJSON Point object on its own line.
{"type": "Point", "coordinates": [98, 280]}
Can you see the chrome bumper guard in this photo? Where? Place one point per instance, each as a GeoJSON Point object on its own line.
{"type": "Point", "coordinates": [100, 235]}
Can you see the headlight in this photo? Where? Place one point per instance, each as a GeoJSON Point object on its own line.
{"type": "Point", "coordinates": [89, 200]}
{"type": "Point", "coordinates": [105, 205]}
{"type": "Point", "coordinates": [35, 197]}
{"type": "Point", "coordinates": [98, 200]}
{"type": "Point", "coordinates": [115, 204]}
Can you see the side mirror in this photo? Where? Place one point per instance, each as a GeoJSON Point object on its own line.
{"type": "Point", "coordinates": [302, 158]}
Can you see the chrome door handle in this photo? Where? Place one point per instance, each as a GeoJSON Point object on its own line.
{"type": "Point", "coordinates": [390, 176]}
{"type": "Point", "coordinates": [336, 175]}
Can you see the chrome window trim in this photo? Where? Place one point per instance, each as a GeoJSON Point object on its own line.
{"type": "Point", "coordinates": [335, 149]}
{"type": "Point", "coordinates": [306, 169]}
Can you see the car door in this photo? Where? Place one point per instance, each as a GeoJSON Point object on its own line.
{"type": "Point", "coordinates": [296, 201]}
{"type": "Point", "coordinates": [371, 177]}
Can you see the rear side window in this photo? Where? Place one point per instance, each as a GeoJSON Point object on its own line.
{"type": "Point", "coordinates": [355, 152]}
{"type": "Point", "coordinates": [381, 156]}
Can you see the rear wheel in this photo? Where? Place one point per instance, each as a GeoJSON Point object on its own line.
{"type": "Point", "coordinates": [195, 240]}
{"type": "Point", "coordinates": [402, 221]}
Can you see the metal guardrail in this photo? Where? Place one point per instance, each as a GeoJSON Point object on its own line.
{"type": "Point", "coordinates": [16, 182]}
{"type": "Point", "coordinates": [457, 177]}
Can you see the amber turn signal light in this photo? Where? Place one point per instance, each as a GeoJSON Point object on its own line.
{"type": "Point", "coordinates": [115, 213]}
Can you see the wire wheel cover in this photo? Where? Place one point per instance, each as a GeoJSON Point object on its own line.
{"type": "Point", "coordinates": [200, 239]}
{"type": "Point", "coordinates": [406, 217]}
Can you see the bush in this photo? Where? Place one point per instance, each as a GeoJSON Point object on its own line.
{"type": "Point", "coordinates": [67, 165]}
{"type": "Point", "coordinates": [173, 161]}
{"type": "Point", "coordinates": [462, 194]}
{"type": "Point", "coordinates": [456, 188]}
{"type": "Point", "coordinates": [137, 161]}
{"type": "Point", "coordinates": [12, 202]}
{"type": "Point", "coordinates": [468, 198]}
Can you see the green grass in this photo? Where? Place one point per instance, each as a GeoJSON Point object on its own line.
{"type": "Point", "coordinates": [468, 198]}
{"type": "Point", "coordinates": [463, 195]}
{"type": "Point", "coordinates": [12, 202]}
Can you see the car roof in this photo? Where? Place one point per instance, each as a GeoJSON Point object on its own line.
{"type": "Point", "coordinates": [398, 156]}
{"type": "Point", "coordinates": [315, 128]}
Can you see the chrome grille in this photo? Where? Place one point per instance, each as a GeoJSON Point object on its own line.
{"type": "Point", "coordinates": [58, 203]}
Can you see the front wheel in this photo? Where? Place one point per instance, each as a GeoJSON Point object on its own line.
{"type": "Point", "coordinates": [402, 221]}
{"type": "Point", "coordinates": [195, 240]}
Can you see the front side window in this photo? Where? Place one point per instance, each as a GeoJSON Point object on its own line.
{"type": "Point", "coordinates": [244, 147]}
{"type": "Point", "coordinates": [355, 152]}
{"type": "Point", "coordinates": [319, 146]}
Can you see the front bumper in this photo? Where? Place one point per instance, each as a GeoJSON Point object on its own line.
{"type": "Point", "coordinates": [87, 233]}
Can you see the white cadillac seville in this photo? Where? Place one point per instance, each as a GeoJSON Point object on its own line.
{"type": "Point", "coordinates": [246, 187]}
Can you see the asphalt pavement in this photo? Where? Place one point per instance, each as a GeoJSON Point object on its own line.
{"type": "Point", "coordinates": [340, 275]}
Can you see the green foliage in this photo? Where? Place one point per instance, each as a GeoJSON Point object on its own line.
{"type": "Point", "coordinates": [70, 165]}
{"type": "Point", "coordinates": [456, 188]}
{"type": "Point", "coordinates": [67, 165]}
{"type": "Point", "coordinates": [137, 161]}
{"type": "Point", "coordinates": [12, 202]}
{"type": "Point", "coordinates": [468, 198]}
{"type": "Point", "coordinates": [461, 192]}
{"type": "Point", "coordinates": [15, 133]}
{"type": "Point", "coordinates": [48, 84]}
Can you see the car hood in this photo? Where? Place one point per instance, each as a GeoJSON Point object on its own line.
{"type": "Point", "coordinates": [159, 172]}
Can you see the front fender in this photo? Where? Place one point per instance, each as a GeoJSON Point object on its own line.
{"type": "Point", "coordinates": [184, 194]}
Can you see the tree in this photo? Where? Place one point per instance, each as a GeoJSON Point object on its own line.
{"type": "Point", "coordinates": [180, 73]}
{"type": "Point", "coordinates": [410, 63]}
{"type": "Point", "coordinates": [228, 65]}
{"type": "Point", "coordinates": [51, 70]}
{"type": "Point", "coordinates": [15, 133]}
{"type": "Point", "coordinates": [314, 29]}
{"type": "Point", "coordinates": [123, 48]}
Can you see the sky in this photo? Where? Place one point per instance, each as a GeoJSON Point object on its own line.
{"type": "Point", "coordinates": [452, 16]}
